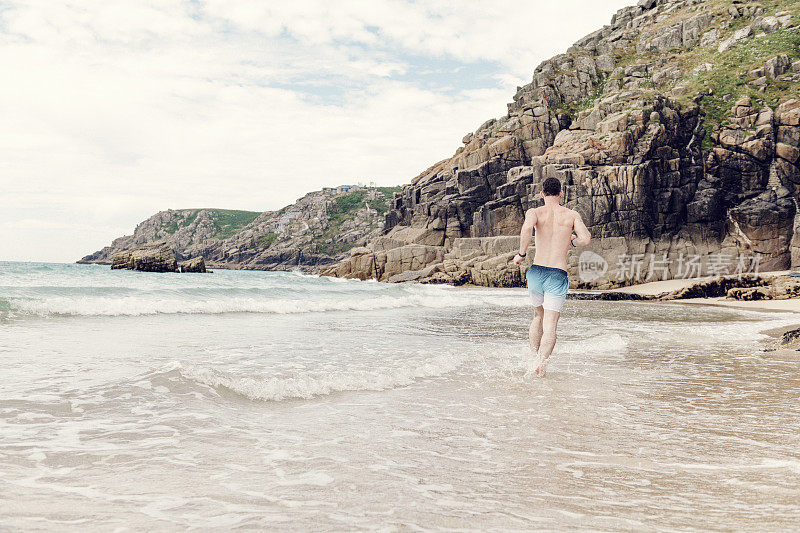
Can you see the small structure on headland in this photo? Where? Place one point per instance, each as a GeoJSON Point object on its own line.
{"type": "Point", "coordinates": [341, 189]}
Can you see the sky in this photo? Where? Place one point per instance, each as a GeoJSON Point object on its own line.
{"type": "Point", "coordinates": [113, 110]}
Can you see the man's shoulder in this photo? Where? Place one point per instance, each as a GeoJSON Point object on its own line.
{"type": "Point", "coordinates": [572, 213]}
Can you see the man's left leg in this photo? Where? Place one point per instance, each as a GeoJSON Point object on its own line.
{"type": "Point", "coordinates": [549, 325]}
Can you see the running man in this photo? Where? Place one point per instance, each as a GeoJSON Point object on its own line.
{"type": "Point", "coordinates": [557, 227]}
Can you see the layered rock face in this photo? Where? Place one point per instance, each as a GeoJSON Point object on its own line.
{"type": "Point", "coordinates": [154, 258]}
{"type": "Point", "coordinates": [674, 132]}
{"type": "Point", "coordinates": [317, 230]}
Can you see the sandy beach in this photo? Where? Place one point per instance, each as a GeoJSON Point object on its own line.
{"type": "Point", "coordinates": [286, 402]}
{"type": "Point", "coordinates": [774, 344]}
{"type": "Point", "coordinates": [656, 288]}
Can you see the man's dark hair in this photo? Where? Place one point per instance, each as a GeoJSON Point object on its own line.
{"type": "Point", "coordinates": [551, 187]}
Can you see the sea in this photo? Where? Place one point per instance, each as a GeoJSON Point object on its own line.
{"type": "Point", "coordinates": [280, 401]}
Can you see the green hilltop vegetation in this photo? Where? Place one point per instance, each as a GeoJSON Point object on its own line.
{"type": "Point", "coordinates": [350, 202]}
{"type": "Point", "coordinates": [345, 208]}
{"type": "Point", "coordinates": [326, 222]}
{"type": "Point", "coordinates": [726, 77]}
{"type": "Point", "coordinates": [230, 221]}
{"type": "Point", "coordinates": [226, 222]}
{"type": "Point", "coordinates": [267, 240]}
{"type": "Point", "coordinates": [728, 80]}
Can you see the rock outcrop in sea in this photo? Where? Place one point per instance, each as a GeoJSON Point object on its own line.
{"type": "Point", "coordinates": [675, 130]}
{"type": "Point", "coordinates": [194, 265]}
{"type": "Point", "coordinates": [316, 231]}
{"type": "Point", "coordinates": [157, 257]}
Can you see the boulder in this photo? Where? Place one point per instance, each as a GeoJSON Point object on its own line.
{"type": "Point", "coordinates": [738, 35]}
{"type": "Point", "coordinates": [788, 152]}
{"type": "Point", "coordinates": [416, 275]}
{"type": "Point", "coordinates": [157, 258]}
{"type": "Point", "coordinates": [196, 264]}
{"type": "Point", "coordinates": [777, 65]}
{"type": "Point", "coordinates": [749, 293]}
{"type": "Point", "coordinates": [766, 226]}
{"type": "Point", "coordinates": [411, 257]}
{"type": "Point", "coordinates": [719, 286]}
{"type": "Point", "coordinates": [768, 24]}
{"type": "Point", "coordinates": [790, 336]}
{"type": "Point", "coordinates": [497, 271]}
{"type": "Point", "coordinates": [785, 287]}
{"type": "Point", "coordinates": [710, 38]}
{"type": "Point", "coordinates": [775, 288]}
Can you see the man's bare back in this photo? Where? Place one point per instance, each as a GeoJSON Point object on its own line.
{"type": "Point", "coordinates": [554, 225]}
{"type": "Point", "coordinates": [556, 228]}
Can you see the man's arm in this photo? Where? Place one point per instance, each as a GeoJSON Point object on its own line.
{"type": "Point", "coordinates": [525, 235]}
{"type": "Point", "coordinates": [583, 237]}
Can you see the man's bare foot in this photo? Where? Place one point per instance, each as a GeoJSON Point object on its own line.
{"type": "Point", "coordinates": [535, 368]}
{"type": "Point", "coordinates": [541, 367]}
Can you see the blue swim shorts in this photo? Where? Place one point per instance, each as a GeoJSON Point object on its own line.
{"type": "Point", "coordinates": [548, 286]}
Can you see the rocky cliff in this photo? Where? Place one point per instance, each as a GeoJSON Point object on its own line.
{"type": "Point", "coordinates": [674, 130]}
{"type": "Point", "coordinates": [317, 230]}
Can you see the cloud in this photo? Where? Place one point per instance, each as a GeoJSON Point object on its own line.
{"type": "Point", "coordinates": [116, 109]}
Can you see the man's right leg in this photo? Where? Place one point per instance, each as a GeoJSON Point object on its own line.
{"type": "Point", "coordinates": [549, 325]}
{"type": "Point", "coordinates": [535, 332]}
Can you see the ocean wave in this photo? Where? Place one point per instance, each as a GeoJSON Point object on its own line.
{"type": "Point", "coordinates": [7, 309]}
{"type": "Point", "coordinates": [151, 304]}
{"type": "Point", "coordinates": [607, 344]}
{"type": "Point", "coordinates": [310, 386]}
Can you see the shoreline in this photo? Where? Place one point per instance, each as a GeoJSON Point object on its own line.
{"type": "Point", "coordinates": [766, 306]}
{"type": "Point", "coordinates": [773, 344]}
{"type": "Point", "coordinates": [649, 291]}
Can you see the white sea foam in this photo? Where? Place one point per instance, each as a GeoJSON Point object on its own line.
{"type": "Point", "coordinates": [610, 343]}
{"type": "Point", "coordinates": [147, 304]}
{"type": "Point", "coordinates": [309, 386]}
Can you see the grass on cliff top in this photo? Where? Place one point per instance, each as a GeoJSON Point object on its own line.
{"type": "Point", "coordinates": [182, 219]}
{"type": "Point", "coordinates": [228, 222]}
{"type": "Point", "coordinates": [347, 204]}
{"type": "Point", "coordinates": [389, 191]}
{"type": "Point", "coordinates": [729, 79]}
{"type": "Point", "coordinates": [345, 208]}
{"type": "Point", "coordinates": [770, 6]}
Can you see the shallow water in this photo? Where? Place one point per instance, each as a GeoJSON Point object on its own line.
{"type": "Point", "coordinates": [281, 401]}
